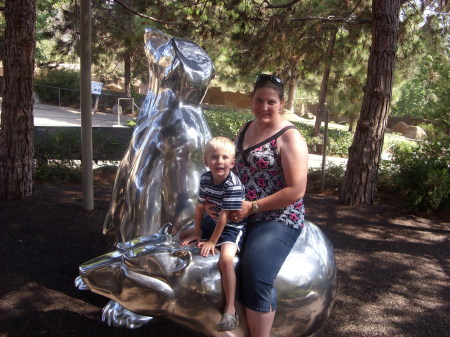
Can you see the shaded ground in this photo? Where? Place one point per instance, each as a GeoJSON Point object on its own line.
{"type": "Point", "coordinates": [393, 268]}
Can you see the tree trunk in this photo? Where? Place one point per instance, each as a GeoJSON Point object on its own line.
{"type": "Point", "coordinates": [16, 128]}
{"type": "Point", "coordinates": [365, 152]}
{"type": "Point", "coordinates": [292, 89]}
{"type": "Point", "coordinates": [351, 126]}
{"type": "Point", "coordinates": [127, 61]}
{"type": "Point", "coordinates": [324, 85]}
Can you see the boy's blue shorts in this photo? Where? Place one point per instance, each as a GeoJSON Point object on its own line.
{"type": "Point", "coordinates": [230, 234]}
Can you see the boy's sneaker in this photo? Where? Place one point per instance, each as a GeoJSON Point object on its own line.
{"type": "Point", "coordinates": [228, 322]}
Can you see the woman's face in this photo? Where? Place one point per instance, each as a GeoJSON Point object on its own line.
{"type": "Point", "coordinates": [266, 104]}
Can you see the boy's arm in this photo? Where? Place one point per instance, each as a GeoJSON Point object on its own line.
{"type": "Point", "coordinates": [198, 217]}
{"type": "Point", "coordinates": [199, 213]}
{"type": "Point", "coordinates": [209, 246]}
{"type": "Point", "coordinates": [220, 225]}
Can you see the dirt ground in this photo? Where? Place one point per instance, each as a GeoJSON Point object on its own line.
{"type": "Point", "coordinates": [393, 268]}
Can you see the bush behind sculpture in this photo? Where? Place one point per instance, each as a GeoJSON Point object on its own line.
{"type": "Point", "coordinates": [58, 86]}
{"type": "Point", "coordinates": [420, 173]}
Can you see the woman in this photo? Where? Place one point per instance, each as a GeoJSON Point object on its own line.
{"type": "Point", "coordinates": [272, 162]}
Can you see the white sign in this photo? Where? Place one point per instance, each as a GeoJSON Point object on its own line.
{"type": "Point", "coordinates": [96, 88]}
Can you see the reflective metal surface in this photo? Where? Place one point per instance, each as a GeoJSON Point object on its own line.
{"type": "Point", "coordinates": [156, 276]}
{"type": "Point", "coordinates": [150, 273]}
{"type": "Point", "coordinates": [158, 177]}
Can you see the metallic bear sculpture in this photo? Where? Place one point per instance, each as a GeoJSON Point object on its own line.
{"type": "Point", "coordinates": [149, 273]}
{"type": "Point", "coordinates": [156, 276]}
{"type": "Point", "coordinates": [158, 177]}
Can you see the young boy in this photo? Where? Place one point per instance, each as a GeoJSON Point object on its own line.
{"type": "Point", "coordinates": [222, 187]}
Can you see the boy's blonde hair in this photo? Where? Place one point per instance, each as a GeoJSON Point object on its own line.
{"type": "Point", "coordinates": [220, 143]}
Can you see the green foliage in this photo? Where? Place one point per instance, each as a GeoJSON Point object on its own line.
{"type": "Point", "coordinates": [339, 142]}
{"type": "Point", "coordinates": [57, 172]}
{"type": "Point", "coordinates": [66, 146]}
{"type": "Point", "coordinates": [106, 147]}
{"type": "Point", "coordinates": [315, 144]}
{"type": "Point", "coordinates": [57, 156]}
{"type": "Point", "coordinates": [334, 176]}
{"type": "Point", "coordinates": [47, 83]}
{"type": "Point", "coordinates": [413, 100]}
{"type": "Point", "coordinates": [131, 123]}
{"type": "Point", "coordinates": [63, 146]}
{"type": "Point", "coordinates": [386, 178]}
{"type": "Point", "coordinates": [46, 14]}
{"type": "Point", "coordinates": [424, 89]}
{"type": "Point", "coordinates": [226, 123]}
{"type": "Point", "coordinates": [420, 173]}
{"type": "Point", "coordinates": [433, 129]}
{"type": "Point", "coordinates": [430, 192]}
{"type": "Point", "coordinates": [348, 71]}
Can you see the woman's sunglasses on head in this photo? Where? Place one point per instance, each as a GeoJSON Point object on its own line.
{"type": "Point", "coordinates": [271, 78]}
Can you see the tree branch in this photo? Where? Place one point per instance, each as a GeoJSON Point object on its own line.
{"type": "Point", "coordinates": [335, 19]}
{"type": "Point", "coordinates": [2, 9]}
{"type": "Point", "coordinates": [132, 10]}
{"type": "Point", "coordinates": [357, 5]}
{"type": "Point", "coordinates": [415, 8]}
{"type": "Point", "coordinates": [282, 5]}
{"type": "Point", "coordinates": [327, 19]}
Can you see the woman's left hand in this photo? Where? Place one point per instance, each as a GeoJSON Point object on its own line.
{"type": "Point", "coordinates": [246, 210]}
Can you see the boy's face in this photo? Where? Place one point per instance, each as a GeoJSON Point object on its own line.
{"type": "Point", "coordinates": [219, 162]}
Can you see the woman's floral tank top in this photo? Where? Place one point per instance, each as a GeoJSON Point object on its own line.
{"type": "Point", "coordinates": [259, 169]}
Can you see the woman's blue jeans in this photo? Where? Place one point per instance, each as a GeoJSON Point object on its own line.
{"type": "Point", "coordinates": [265, 248]}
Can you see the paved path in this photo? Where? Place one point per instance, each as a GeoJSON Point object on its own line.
{"type": "Point", "coordinates": [51, 115]}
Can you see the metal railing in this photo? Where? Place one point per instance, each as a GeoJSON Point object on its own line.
{"type": "Point", "coordinates": [104, 101]}
{"type": "Point", "coordinates": [133, 105]}
{"type": "Point", "coordinates": [59, 90]}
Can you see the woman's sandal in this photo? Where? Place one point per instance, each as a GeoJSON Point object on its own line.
{"type": "Point", "coordinates": [228, 322]}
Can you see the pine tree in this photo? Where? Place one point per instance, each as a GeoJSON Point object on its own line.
{"type": "Point", "coordinates": [16, 129]}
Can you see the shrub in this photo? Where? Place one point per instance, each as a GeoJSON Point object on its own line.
{"type": "Point", "coordinates": [57, 172]}
{"type": "Point", "coordinates": [227, 124]}
{"type": "Point", "coordinates": [421, 173]}
{"type": "Point", "coordinates": [57, 156]}
{"type": "Point", "coordinates": [385, 177]}
{"type": "Point", "coordinates": [62, 145]}
{"type": "Point", "coordinates": [131, 123]}
{"type": "Point", "coordinates": [334, 176]}
{"type": "Point", "coordinates": [58, 86]}
{"type": "Point", "coordinates": [433, 131]}
{"type": "Point", "coordinates": [339, 142]}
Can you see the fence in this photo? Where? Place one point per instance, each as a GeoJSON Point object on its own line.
{"type": "Point", "coordinates": [67, 97]}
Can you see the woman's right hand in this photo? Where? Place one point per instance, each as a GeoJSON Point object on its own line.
{"type": "Point", "coordinates": [210, 209]}
{"type": "Point", "coordinates": [244, 212]}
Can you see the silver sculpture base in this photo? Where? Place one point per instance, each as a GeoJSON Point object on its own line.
{"type": "Point", "coordinates": [154, 276]}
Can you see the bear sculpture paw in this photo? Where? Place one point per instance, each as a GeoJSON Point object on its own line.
{"type": "Point", "coordinates": [117, 316]}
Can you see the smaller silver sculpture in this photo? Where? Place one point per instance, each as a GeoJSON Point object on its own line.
{"type": "Point", "coordinates": [156, 276]}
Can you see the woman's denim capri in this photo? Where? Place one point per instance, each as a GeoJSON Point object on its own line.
{"type": "Point", "coordinates": [265, 248]}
